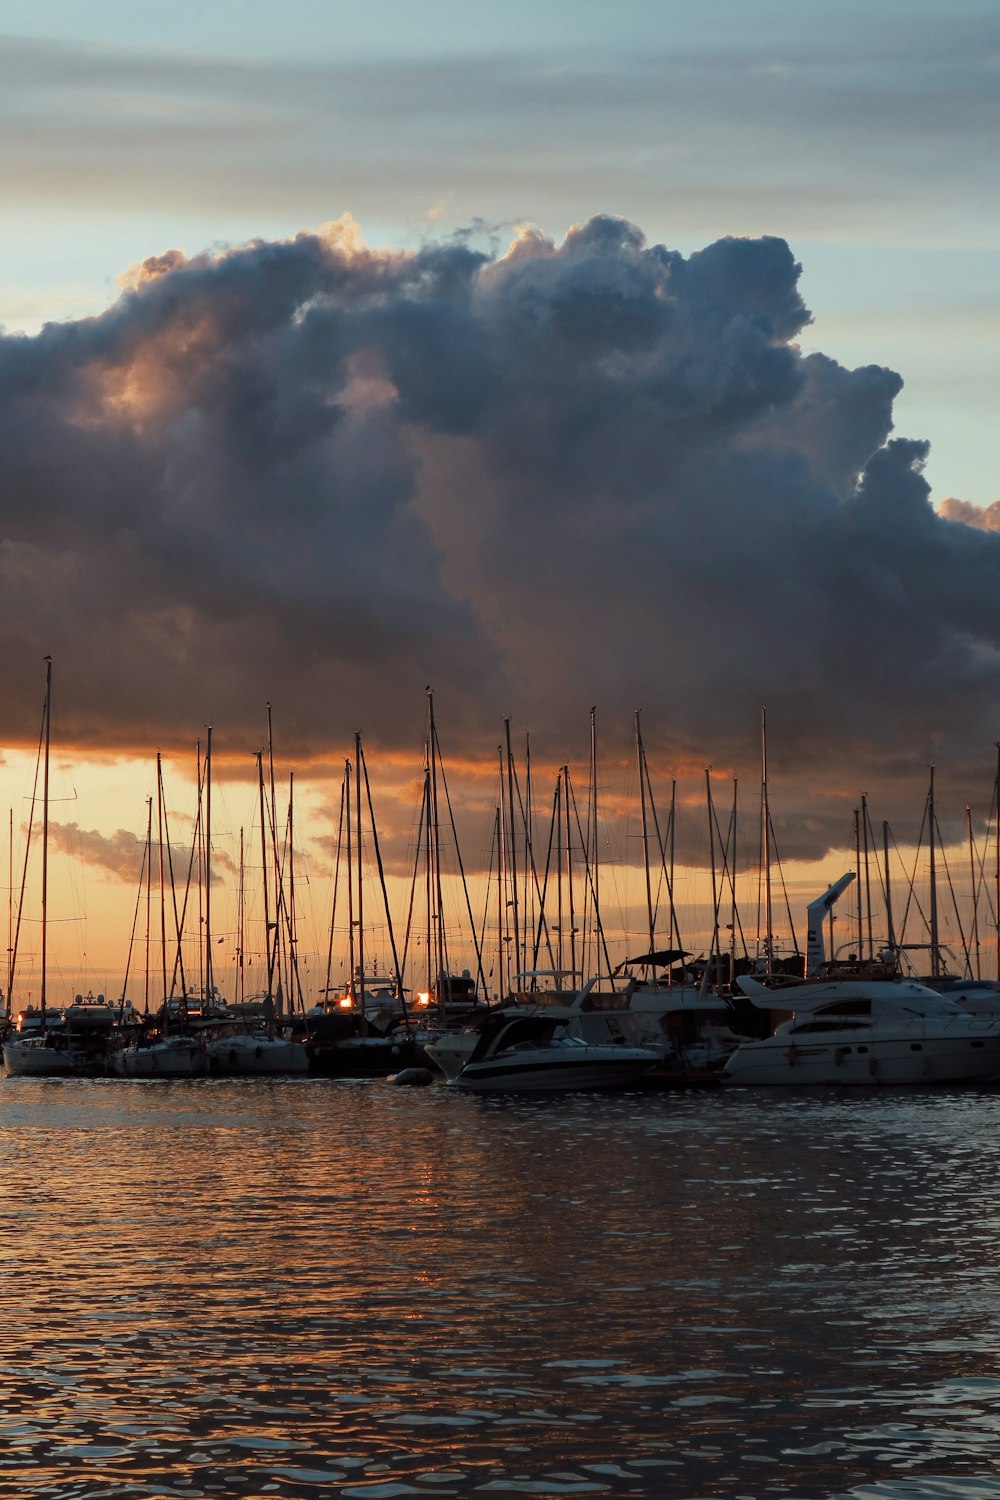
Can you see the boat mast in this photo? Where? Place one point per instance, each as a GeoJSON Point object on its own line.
{"type": "Point", "coordinates": [732, 889]}
{"type": "Point", "coordinates": [294, 979]}
{"type": "Point", "coordinates": [569, 886]}
{"type": "Point", "coordinates": [888, 888]}
{"type": "Point", "coordinates": [498, 838]}
{"type": "Point", "coordinates": [10, 907]}
{"type": "Point", "coordinates": [595, 843]}
{"type": "Point", "coordinates": [975, 891]}
{"type": "Point", "coordinates": [434, 831]}
{"type": "Point", "coordinates": [240, 928]}
{"type": "Point", "coordinates": [512, 854]}
{"type": "Point", "coordinates": [857, 875]}
{"type": "Point", "coordinates": [209, 986]}
{"type": "Point", "coordinates": [641, 768]}
{"type": "Point", "coordinates": [268, 952]}
{"type": "Point", "coordinates": [45, 831]}
{"type": "Point", "coordinates": [765, 842]}
{"type": "Point", "coordinates": [163, 892]}
{"type": "Point", "coordinates": [932, 830]}
{"type": "Point", "coordinates": [996, 881]}
{"type": "Point", "coordinates": [350, 892]}
{"type": "Point", "coordinates": [868, 883]}
{"type": "Point", "coordinates": [714, 947]}
{"type": "Point", "coordinates": [361, 926]}
{"type": "Point", "coordinates": [149, 897]}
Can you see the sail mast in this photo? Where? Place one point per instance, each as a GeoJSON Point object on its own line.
{"type": "Point", "coordinates": [641, 767]}
{"type": "Point", "coordinates": [765, 842]}
{"type": "Point", "coordinates": [45, 831]}
{"type": "Point", "coordinates": [361, 927]}
{"type": "Point", "coordinates": [209, 985]}
{"type": "Point", "coordinates": [975, 891]}
{"type": "Point", "coordinates": [512, 855]}
{"type": "Point", "coordinates": [935, 952]}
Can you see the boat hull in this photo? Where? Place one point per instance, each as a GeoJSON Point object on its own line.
{"type": "Point", "coordinates": [247, 1056]}
{"type": "Point", "coordinates": [555, 1074]}
{"type": "Point", "coordinates": [176, 1057]}
{"type": "Point", "coordinates": [894, 1061]}
{"type": "Point", "coordinates": [32, 1058]}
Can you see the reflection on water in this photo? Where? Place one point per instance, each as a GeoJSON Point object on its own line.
{"type": "Point", "coordinates": [311, 1288]}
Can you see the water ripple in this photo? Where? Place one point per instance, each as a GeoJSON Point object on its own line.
{"type": "Point", "coordinates": [303, 1289]}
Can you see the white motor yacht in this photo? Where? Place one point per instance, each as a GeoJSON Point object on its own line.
{"type": "Point", "coordinates": [521, 1052]}
{"type": "Point", "coordinates": [865, 1031]}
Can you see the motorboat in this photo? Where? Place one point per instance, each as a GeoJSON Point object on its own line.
{"type": "Point", "coordinates": [521, 1052]}
{"type": "Point", "coordinates": [865, 1031]}
{"type": "Point", "coordinates": [48, 1043]}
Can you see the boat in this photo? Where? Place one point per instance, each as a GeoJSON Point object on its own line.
{"type": "Point", "coordinates": [56, 1043]}
{"type": "Point", "coordinates": [154, 1055]}
{"type": "Point", "coordinates": [241, 1051]}
{"type": "Point", "coordinates": [519, 1051]}
{"type": "Point", "coordinates": [49, 1042]}
{"type": "Point", "coordinates": [865, 1031]}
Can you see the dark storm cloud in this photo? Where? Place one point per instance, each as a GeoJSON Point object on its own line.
{"type": "Point", "coordinates": [599, 471]}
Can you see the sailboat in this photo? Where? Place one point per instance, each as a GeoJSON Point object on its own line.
{"type": "Point", "coordinates": [48, 1042]}
{"type": "Point", "coordinates": [167, 1049]}
{"type": "Point", "coordinates": [359, 1028]}
{"type": "Point", "coordinates": [244, 1044]}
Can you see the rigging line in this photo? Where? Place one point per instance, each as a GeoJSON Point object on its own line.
{"type": "Point", "coordinates": [784, 888]}
{"type": "Point", "coordinates": [589, 881]}
{"type": "Point", "coordinates": [336, 888]}
{"type": "Point", "coordinates": [458, 855]}
{"type": "Point", "coordinates": [675, 931]}
{"type": "Point", "coordinates": [954, 899]}
{"type": "Point", "coordinates": [385, 893]}
{"type": "Point", "coordinates": [135, 914]}
{"type": "Point", "coordinates": [911, 894]}
{"type": "Point", "coordinates": [179, 964]}
{"type": "Point", "coordinates": [542, 923]}
{"type": "Point", "coordinates": [413, 882]}
{"type": "Point", "coordinates": [24, 870]}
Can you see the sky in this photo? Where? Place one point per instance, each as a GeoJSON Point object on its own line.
{"type": "Point", "coordinates": [552, 355]}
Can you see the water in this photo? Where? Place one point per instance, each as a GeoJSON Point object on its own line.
{"type": "Point", "coordinates": [312, 1288]}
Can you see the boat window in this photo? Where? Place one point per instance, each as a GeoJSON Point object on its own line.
{"type": "Point", "coordinates": [845, 1008]}
{"type": "Point", "coordinates": [916, 1046]}
{"type": "Point", "coordinates": [829, 1026]}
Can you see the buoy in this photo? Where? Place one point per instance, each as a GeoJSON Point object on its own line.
{"type": "Point", "coordinates": [413, 1077]}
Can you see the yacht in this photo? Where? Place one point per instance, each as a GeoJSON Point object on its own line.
{"type": "Point", "coordinates": [865, 1031]}
{"type": "Point", "coordinates": [520, 1051]}
{"type": "Point", "coordinates": [59, 1043]}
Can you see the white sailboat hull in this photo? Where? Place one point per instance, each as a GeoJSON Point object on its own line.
{"type": "Point", "coordinates": [174, 1057]}
{"type": "Point", "coordinates": [256, 1056]}
{"type": "Point", "coordinates": [30, 1057]}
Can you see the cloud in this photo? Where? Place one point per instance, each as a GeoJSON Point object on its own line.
{"type": "Point", "coordinates": [847, 123]}
{"type": "Point", "coordinates": [591, 471]}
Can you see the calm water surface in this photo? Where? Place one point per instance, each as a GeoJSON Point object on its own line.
{"type": "Point", "coordinates": [312, 1288]}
